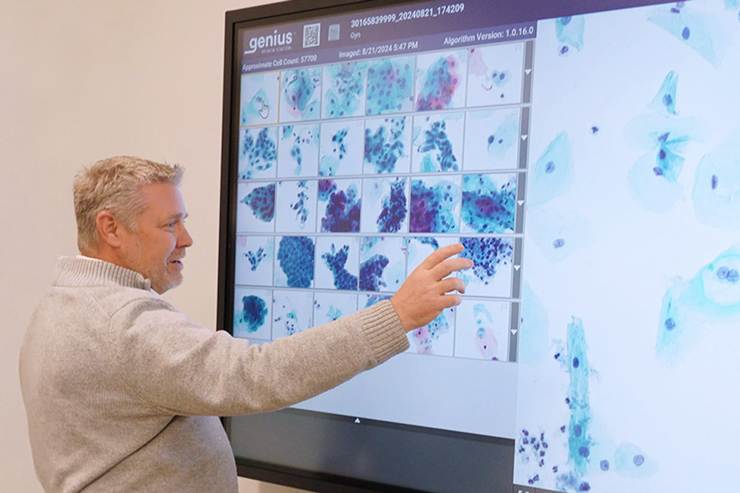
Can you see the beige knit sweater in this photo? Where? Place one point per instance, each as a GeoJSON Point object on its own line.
{"type": "Point", "coordinates": [122, 391]}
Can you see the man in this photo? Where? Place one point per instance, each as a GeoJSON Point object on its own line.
{"type": "Point", "coordinates": [122, 391]}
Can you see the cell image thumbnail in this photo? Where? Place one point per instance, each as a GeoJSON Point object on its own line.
{"type": "Point", "coordinates": [697, 31]}
{"type": "Point", "coordinates": [716, 192]}
{"type": "Point", "coordinates": [339, 206]}
{"type": "Point", "coordinates": [437, 337]}
{"type": "Point", "coordinates": [257, 153]}
{"type": "Point", "coordinates": [387, 145]}
{"type": "Point", "coordinates": [338, 262]}
{"type": "Point", "coordinates": [300, 94]}
{"type": "Point", "coordinates": [344, 90]}
{"type": "Point", "coordinates": [328, 307]}
{"type": "Point", "coordinates": [385, 205]}
{"type": "Point", "coordinates": [292, 312]}
{"type": "Point", "coordinates": [481, 331]}
{"type": "Point", "coordinates": [437, 143]}
{"type": "Point", "coordinates": [390, 86]}
{"type": "Point", "coordinates": [294, 261]}
{"type": "Point", "coordinates": [341, 150]}
{"type": "Point", "coordinates": [255, 211]}
{"type": "Point", "coordinates": [495, 74]}
{"type": "Point", "coordinates": [491, 140]}
{"type": "Point", "coordinates": [382, 263]}
{"type": "Point", "coordinates": [296, 206]}
{"type": "Point", "coordinates": [254, 260]}
{"type": "Point", "coordinates": [419, 248]}
{"type": "Point", "coordinates": [488, 203]}
{"type": "Point", "coordinates": [259, 99]}
{"type": "Point", "coordinates": [492, 271]}
{"type": "Point", "coordinates": [434, 205]}
{"type": "Point", "coordinates": [441, 80]}
{"type": "Point", "coordinates": [553, 174]}
{"type": "Point", "coordinates": [298, 150]}
{"type": "Point", "coordinates": [569, 31]}
{"type": "Point", "coordinates": [252, 318]}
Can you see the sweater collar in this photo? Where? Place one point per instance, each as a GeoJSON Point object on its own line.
{"type": "Point", "coordinates": [85, 271]}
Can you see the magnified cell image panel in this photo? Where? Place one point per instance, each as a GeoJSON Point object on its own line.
{"type": "Point", "coordinates": [553, 174]}
{"type": "Point", "coordinates": [252, 317]}
{"type": "Point", "coordinates": [382, 263]}
{"type": "Point", "coordinates": [491, 274]}
{"type": "Point", "coordinates": [390, 85]}
{"type": "Point", "coordinates": [488, 203]}
{"type": "Point", "coordinates": [341, 151]}
{"type": "Point", "coordinates": [298, 150]}
{"type": "Point", "coordinates": [339, 206]}
{"type": "Point", "coordinates": [328, 307]}
{"type": "Point", "coordinates": [294, 261]}
{"type": "Point", "coordinates": [481, 330]}
{"type": "Point", "coordinates": [344, 90]}
{"type": "Point", "coordinates": [491, 140]}
{"type": "Point", "coordinates": [257, 152]}
{"type": "Point", "coordinates": [338, 262]}
{"type": "Point", "coordinates": [387, 145]}
{"type": "Point", "coordinates": [296, 206]}
{"type": "Point", "coordinates": [292, 312]}
{"type": "Point", "coordinates": [716, 193]}
{"type": "Point", "coordinates": [255, 210]}
{"type": "Point", "coordinates": [495, 74]}
{"type": "Point", "coordinates": [434, 204]}
{"type": "Point", "coordinates": [437, 337]}
{"type": "Point", "coordinates": [254, 260]}
{"type": "Point", "coordinates": [437, 142]}
{"type": "Point", "coordinates": [259, 99]}
{"type": "Point", "coordinates": [300, 94]}
{"type": "Point", "coordinates": [441, 80]}
{"type": "Point", "coordinates": [385, 205]}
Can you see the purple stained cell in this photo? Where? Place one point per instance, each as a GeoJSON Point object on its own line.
{"type": "Point", "coordinates": [714, 182]}
{"type": "Point", "coordinates": [638, 460]}
{"type": "Point", "coordinates": [584, 451]}
{"type": "Point", "coordinates": [558, 243]}
{"type": "Point", "coordinates": [576, 363]}
{"type": "Point", "coordinates": [686, 33]}
{"type": "Point", "coordinates": [670, 324]}
{"type": "Point", "coordinates": [550, 167]}
{"type": "Point", "coordinates": [604, 465]}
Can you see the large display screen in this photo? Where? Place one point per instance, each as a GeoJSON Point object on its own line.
{"type": "Point", "coordinates": [586, 154]}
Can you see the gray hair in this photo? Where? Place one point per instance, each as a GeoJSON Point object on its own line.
{"type": "Point", "coordinates": [113, 185]}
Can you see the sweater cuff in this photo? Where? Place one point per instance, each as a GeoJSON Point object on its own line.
{"type": "Point", "coordinates": [383, 331]}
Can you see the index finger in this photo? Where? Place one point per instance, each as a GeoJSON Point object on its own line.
{"type": "Point", "coordinates": [440, 255]}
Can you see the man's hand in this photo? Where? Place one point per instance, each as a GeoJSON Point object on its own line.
{"type": "Point", "coordinates": [423, 295]}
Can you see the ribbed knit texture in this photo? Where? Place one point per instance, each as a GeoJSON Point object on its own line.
{"type": "Point", "coordinates": [121, 390]}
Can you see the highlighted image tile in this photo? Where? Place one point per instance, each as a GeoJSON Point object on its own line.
{"type": "Point", "coordinates": [382, 263]}
{"type": "Point", "coordinates": [441, 80]}
{"type": "Point", "coordinates": [341, 148]}
{"type": "Point", "coordinates": [437, 142]}
{"type": "Point", "coordinates": [481, 330]}
{"type": "Point", "coordinates": [292, 312]}
{"type": "Point", "coordinates": [337, 262]}
{"type": "Point", "coordinates": [328, 307]}
{"type": "Point", "coordinates": [257, 152]}
{"type": "Point", "coordinates": [256, 207]}
{"type": "Point", "coordinates": [259, 99]}
{"type": "Point", "coordinates": [296, 206]}
{"type": "Point", "coordinates": [294, 261]}
{"type": "Point", "coordinates": [339, 206]}
{"type": "Point", "coordinates": [495, 75]}
{"type": "Point", "coordinates": [298, 150]}
{"type": "Point", "coordinates": [435, 204]}
{"type": "Point", "coordinates": [254, 260]}
{"type": "Point", "coordinates": [384, 205]}
{"type": "Point", "coordinates": [491, 140]}
{"type": "Point", "coordinates": [390, 85]}
{"type": "Point", "coordinates": [344, 90]}
{"type": "Point", "coordinates": [252, 313]}
{"type": "Point", "coordinates": [488, 203]}
{"type": "Point", "coordinates": [387, 145]}
{"type": "Point", "coordinates": [492, 273]}
{"type": "Point", "coordinates": [300, 94]}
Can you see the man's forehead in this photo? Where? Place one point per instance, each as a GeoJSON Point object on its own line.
{"type": "Point", "coordinates": [164, 200]}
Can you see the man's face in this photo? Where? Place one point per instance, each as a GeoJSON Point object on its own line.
{"type": "Point", "coordinates": [156, 248]}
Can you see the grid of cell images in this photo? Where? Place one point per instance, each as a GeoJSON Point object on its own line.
{"type": "Point", "coordinates": [351, 174]}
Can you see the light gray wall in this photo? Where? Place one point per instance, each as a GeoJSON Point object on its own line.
{"type": "Point", "coordinates": [81, 80]}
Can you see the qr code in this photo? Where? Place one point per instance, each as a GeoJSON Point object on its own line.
{"type": "Point", "coordinates": [311, 35]}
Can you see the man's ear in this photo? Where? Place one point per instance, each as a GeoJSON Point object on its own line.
{"type": "Point", "coordinates": [109, 229]}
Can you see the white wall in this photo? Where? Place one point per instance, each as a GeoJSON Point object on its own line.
{"type": "Point", "coordinates": [81, 80]}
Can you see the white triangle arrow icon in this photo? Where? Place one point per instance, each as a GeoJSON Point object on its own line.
{"type": "Point", "coordinates": [517, 267]}
{"type": "Point", "coordinates": [357, 421]}
{"type": "Point", "coordinates": [524, 137]}
{"type": "Point", "coordinates": [520, 202]}
{"type": "Point", "coordinates": [513, 332]}
{"type": "Point", "coordinates": [528, 71]}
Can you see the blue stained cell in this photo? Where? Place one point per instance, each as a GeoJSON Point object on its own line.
{"type": "Point", "coordinates": [552, 174]}
{"type": "Point", "coordinates": [488, 254]}
{"type": "Point", "coordinates": [558, 243]}
{"type": "Point", "coordinates": [258, 154]}
{"type": "Point", "coordinates": [733, 275]}
{"type": "Point", "coordinates": [638, 460]}
{"type": "Point", "coordinates": [577, 430]}
{"type": "Point", "coordinates": [262, 202]}
{"type": "Point", "coordinates": [716, 193]}
{"type": "Point", "coordinates": [394, 208]}
{"type": "Point", "coordinates": [486, 207]}
{"type": "Point", "coordinates": [722, 272]}
{"type": "Point", "coordinates": [436, 141]}
{"type": "Point", "coordinates": [665, 101]}
{"type": "Point", "coordinates": [686, 33]}
{"type": "Point", "coordinates": [296, 258]}
{"type": "Point", "coordinates": [715, 181]}
{"type": "Point", "coordinates": [254, 312]}
{"type": "Point", "coordinates": [696, 30]}
{"type": "Point", "coordinates": [584, 487]}
{"type": "Point", "coordinates": [604, 465]}
{"type": "Point", "coordinates": [371, 273]}
{"type": "Point", "coordinates": [569, 31]}
{"type": "Point", "coordinates": [255, 258]}
{"type": "Point", "coordinates": [336, 261]}
{"type": "Point", "coordinates": [670, 324]}
{"type": "Point", "coordinates": [385, 146]}
{"type": "Point", "coordinates": [576, 363]}
{"type": "Point", "coordinates": [578, 445]}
